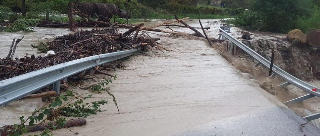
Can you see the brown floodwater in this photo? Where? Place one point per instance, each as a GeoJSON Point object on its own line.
{"type": "Point", "coordinates": [169, 92]}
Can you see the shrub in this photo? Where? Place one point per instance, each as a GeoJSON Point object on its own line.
{"type": "Point", "coordinates": [4, 13]}
{"type": "Point", "coordinates": [22, 25]}
{"type": "Point", "coordinates": [249, 20]}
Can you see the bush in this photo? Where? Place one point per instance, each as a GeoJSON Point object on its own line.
{"type": "Point", "coordinates": [23, 25]}
{"type": "Point", "coordinates": [4, 13]}
{"type": "Point", "coordinates": [249, 20]}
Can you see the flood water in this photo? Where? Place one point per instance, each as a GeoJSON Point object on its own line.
{"type": "Point", "coordinates": [171, 91]}
{"type": "Point", "coordinates": [24, 47]}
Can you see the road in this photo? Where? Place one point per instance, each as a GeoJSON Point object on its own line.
{"type": "Point", "coordinates": [190, 90]}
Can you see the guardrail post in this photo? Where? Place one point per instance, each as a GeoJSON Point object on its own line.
{"type": "Point", "coordinates": [56, 86]}
{"type": "Point", "coordinates": [230, 48]}
{"type": "Point", "coordinates": [314, 122]}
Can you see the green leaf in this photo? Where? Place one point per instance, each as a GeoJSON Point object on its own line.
{"type": "Point", "coordinates": [63, 97]}
{"type": "Point", "coordinates": [56, 102]}
{"type": "Point", "coordinates": [46, 112]}
{"type": "Point", "coordinates": [22, 119]}
{"type": "Point", "coordinates": [31, 122]}
{"type": "Point", "coordinates": [40, 117]}
{"type": "Point", "coordinates": [69, 93]}
{"type": "Point", "coordinates": [24, 130]}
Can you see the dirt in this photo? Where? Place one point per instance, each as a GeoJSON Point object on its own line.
{"type": "Point", "coordinates": [295, 60]}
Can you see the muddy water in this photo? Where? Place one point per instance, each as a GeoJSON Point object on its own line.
{"type": "Point", "coordinates": [171, 92]}
{"type": "Point", "coordinates": [40, 35]}
{"type": "Point", "coordinates": [166, 93]}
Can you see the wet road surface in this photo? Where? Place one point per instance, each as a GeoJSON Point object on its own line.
{"type": "Point", "coordinates": [175, 92]}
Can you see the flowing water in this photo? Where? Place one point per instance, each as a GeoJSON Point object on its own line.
{"type": "Point", "coordinates": [171, 92]}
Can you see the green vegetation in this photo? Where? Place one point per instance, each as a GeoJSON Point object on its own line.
{"type": "Point", "coordinates": [42, 47]}
{"type": "Point", "coordinates": [56, 10]}
{"type": "Point", "coordinates": [23, 24]}
{"type": "Point", "coordinates": [65, 106]}
{"type": "Point", "coordinates": [311, 21]}
{"type": "Point", "coordinates": [68, 105]}
{"type": "Point", "coordinates": [280, 15]}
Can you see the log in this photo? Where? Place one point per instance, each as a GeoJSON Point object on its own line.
{"type": "Point", "coordinates": [185, 26]}
{"type": "Point", "coordinates": [62, 25]}
{"type": "Point", "coordinates": [11, 47]}
{"type": "Point", "coordinates": [205, 33]}
{"type": "Point", "coordinates": [70, 16]}
{"type": "Point", "coordinates": [196, 31]}
{"type": "Point", "coordinates": [272, 61]}
{"type": "Point", "coordinates": [44, 94]}
{"type": "Point", "coordinates": [132, 30]}
{"type": "Point", "coordinates": [166, 23]}
{"type": "Point", "coordinates": [15, 47]}
{"type": "Point", "coordinates": [104, 73]}
{"type": "Point", "coordinates": [40, 127]}
{"type": "Point", "coordinates": [164, 31]}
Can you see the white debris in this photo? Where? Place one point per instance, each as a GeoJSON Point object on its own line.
{"type": "Point", "coordinates": [51, 52]}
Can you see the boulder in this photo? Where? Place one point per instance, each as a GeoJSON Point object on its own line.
{"type": "Point", "coordinates": [105, 11]}
{"type": "Point", "coordinates": [313, 38]}
{"type": "Point", "coordinates": [246, 36]}
{"type": "Point", "coordinates": [87, 9]}
{"type": "Point", "coordinates": [297, 35]}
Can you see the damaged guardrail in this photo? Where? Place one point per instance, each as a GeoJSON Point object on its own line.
{"type": "Point", "coordinates": [17, 87]}
{"type": "Point", "coordinates": [310, 89]}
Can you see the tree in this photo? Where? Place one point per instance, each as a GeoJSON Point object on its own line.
{"type": "Point", "coordinates": [23, 8]}
{"type": "Point", "coordinates": [277, 15]}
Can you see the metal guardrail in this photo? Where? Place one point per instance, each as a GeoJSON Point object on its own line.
{"type": "Point", "coordinates": [20, 86]}
{"type": "Point", "coordinates": [310, 89]}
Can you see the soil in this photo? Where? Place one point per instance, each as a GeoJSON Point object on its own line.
{"type": "Point", "coordinates": [296, 60]}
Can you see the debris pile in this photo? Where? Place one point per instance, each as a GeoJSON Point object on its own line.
{"type": "Point", "coordinates": [75, 46]}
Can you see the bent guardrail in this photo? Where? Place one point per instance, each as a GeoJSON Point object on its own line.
{"type": "Point", "coordinates": [19, 86]}
{"type": "Point", "coordinates": [312, 90]}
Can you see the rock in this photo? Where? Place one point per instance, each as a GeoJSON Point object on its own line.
{"type": "Point", "coordinates": [297, 35]}
{"type": "Point", "coordinates": [313, 38]}
{"type": "Point", "coordinates": [246, 35]}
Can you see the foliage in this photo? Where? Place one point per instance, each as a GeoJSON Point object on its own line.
{"type": "Point", "coordinates": [278, 15]}
{"type": "Point", "coordinates": [65, 105]}
{"type": "Point", "coordinates": [275, 12]}
{"type": "Point", "coordinates": [102, 86]}
{"type": "Point", "coordinates": [4, 13]}
{"type": "Point", "coordinates": [249, 19]}
{"type": "Point", "coordinates": [233, 4]}
{"type": "Point", "coordinates": [42, 47]}
{"type": "Point", "coordinates": [306, 23]}
{"type": "Point", "coordinates": [23, 25]}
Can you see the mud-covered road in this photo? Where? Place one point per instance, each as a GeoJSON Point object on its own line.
{"type": "Point", "coordinates": [187, 90]}
{"type": "Point", "coordinates": [190, 90]}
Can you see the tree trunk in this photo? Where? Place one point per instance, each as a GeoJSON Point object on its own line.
{"type": "Point", "coordinates": [47, 15]}
{"type": "Point", "coordinates": [23, 8]}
